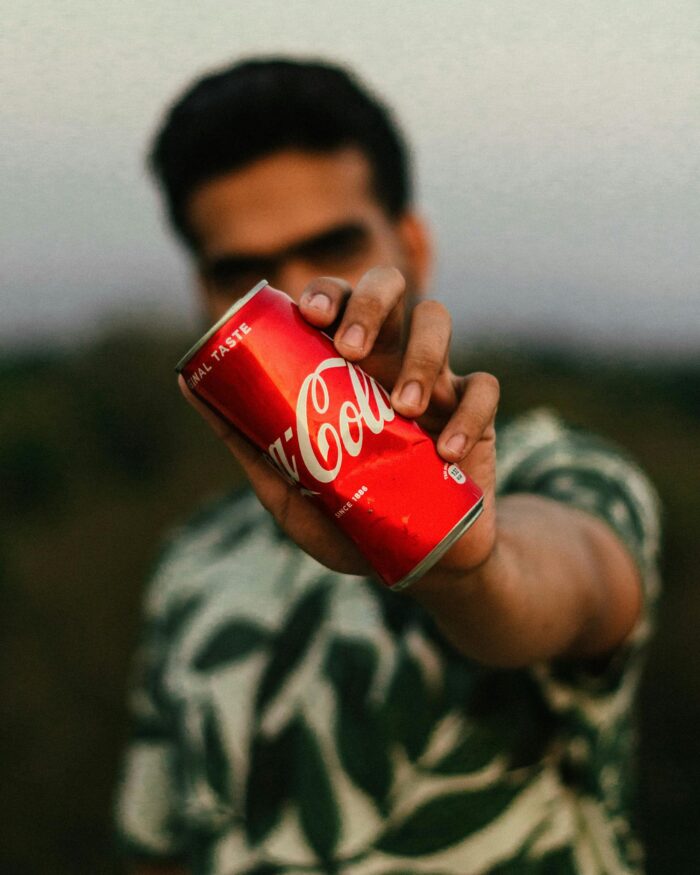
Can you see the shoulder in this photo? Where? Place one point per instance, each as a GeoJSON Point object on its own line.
{"type": "Point", "coordinates": [540, 453]}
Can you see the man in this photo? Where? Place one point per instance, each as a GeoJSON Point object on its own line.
{"type": "Point", "coordinates": [291, 716]}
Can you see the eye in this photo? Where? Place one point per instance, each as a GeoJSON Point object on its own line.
{"type": "Point", "coordinates": [337, 247]}
{"type": "Point", "coordinates": [233, 277]}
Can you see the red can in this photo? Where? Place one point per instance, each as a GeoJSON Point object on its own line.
{"type": "Point", "coordinates": [329, 428]}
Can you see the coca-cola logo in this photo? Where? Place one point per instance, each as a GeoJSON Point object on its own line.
{"type": "Point", "coordinates": [338, 430]}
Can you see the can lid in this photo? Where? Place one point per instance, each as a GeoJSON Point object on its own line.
{"type": "Point", "coordinates": [227, 315]}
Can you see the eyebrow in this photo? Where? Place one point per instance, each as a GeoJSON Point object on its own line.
{"type": "Point", "coordinates": [347, 233]}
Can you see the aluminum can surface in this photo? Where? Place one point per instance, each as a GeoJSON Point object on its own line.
{"type": "Point", "coordinates": [329, 429]}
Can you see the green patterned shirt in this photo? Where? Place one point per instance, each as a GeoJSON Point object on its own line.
{"type": "Point", "coordinates": [288, 719]}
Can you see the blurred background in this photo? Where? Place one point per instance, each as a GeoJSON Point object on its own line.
{"type": "Point", "coordinates": [557, 152]}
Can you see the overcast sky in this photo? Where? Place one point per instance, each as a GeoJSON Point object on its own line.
{"type": "Point", "coordinates": [557, 146]}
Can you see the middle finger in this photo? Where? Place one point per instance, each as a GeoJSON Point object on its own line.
{"type": "Point", "coordinates": [373, 317]}
{"type": "Point", "coordinates": [425, 358]}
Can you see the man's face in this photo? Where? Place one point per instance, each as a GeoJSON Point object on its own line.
{"type": "Point", "coordinates": [293, 216]}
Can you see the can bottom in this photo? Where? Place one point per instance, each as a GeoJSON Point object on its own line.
{"type": "Point", "coordinates": [440, 549]}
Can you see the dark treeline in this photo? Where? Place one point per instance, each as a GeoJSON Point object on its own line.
{"type": "Point", "coordinates": [99, 455]}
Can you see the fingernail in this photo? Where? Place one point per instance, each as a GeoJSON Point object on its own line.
{"type": "Point", "coordinates": [320, 302]}
{"type": "Point", "coordinates": [354, 336]}
{"type": "Point", "coordinates": [411, 394]}
{"type": "Point", "coordinates": [456, 444]}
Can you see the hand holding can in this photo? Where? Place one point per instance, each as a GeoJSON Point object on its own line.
{"type": "Point", "coordinates": [330, 429]}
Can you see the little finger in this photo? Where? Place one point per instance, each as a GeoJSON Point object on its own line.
{"type": "Point", "coordinates": [474, 415]}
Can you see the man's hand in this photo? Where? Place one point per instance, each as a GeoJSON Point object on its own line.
{"type": "Point", "coordinates": [541, 580]}
{"type": "Point", "coordinates": [412, 363]}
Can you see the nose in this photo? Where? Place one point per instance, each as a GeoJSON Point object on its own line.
{"type": "Point", "coordinates": [293, 276]}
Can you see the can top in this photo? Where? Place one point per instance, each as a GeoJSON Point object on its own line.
{"type": "Point", "coordinates": [234, 308]}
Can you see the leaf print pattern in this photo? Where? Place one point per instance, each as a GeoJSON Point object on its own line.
{"type": "Point", "coordinates": [292, 641]}
{"type": "Point", "coordinates": [232, 641]}
{"type": "Point", "coordinates": [370, 745]}
{"type": "Point", "coordinates": [360, 732]}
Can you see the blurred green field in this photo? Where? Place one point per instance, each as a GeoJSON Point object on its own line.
{"type": "Point", "coordinates": [99, 456]}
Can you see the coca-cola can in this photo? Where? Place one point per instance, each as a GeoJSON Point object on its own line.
{"type": "Point", "coordinates": [329, 429]}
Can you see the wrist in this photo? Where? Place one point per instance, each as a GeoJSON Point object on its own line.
{"type": "Point", "coordinates": [452, 581]}
{"type": "Point", "coordinates": [469, 604]}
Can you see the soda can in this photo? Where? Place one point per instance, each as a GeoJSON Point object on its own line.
{"type": "Point", "coordinates": [329, 428]}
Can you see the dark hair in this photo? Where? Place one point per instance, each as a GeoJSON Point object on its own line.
{"type": "Point", "coordinates": [253, 109]}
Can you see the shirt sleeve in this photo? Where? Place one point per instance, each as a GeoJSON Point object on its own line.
{"type": "Point", "coordinates": [147, 801]}
{"type": "Point", "coordinates": [543, 456]}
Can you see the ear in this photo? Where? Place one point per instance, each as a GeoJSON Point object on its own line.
{"type": "Point", "coordinates": [417, 249]}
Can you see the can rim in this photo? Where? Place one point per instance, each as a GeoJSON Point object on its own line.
{"type": "Point", "coordinates": [215, 327]}
{"type": "Point", "coordinates": [437, 552]}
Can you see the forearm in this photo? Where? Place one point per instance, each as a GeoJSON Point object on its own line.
{"type": "Point", "coordinates": [558, 583]}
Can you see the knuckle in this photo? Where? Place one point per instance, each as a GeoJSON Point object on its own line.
{"type": "Point", "coordinates": [433, 309]}
{"type": "Point", "coordinates": [487, 382]}
{"type": "Point", "coordinates": [424, 358]}
{"type": "Point", "coordinates": [385, 283]}
{"type": "Point", "coordinates": [432, 316]}
{"type": "Point", "coordinates": [366, 308]}
{"type": "Point", "coordinates": [389, 276]}
{"type": "Point", "coordinates": [333, 287]}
